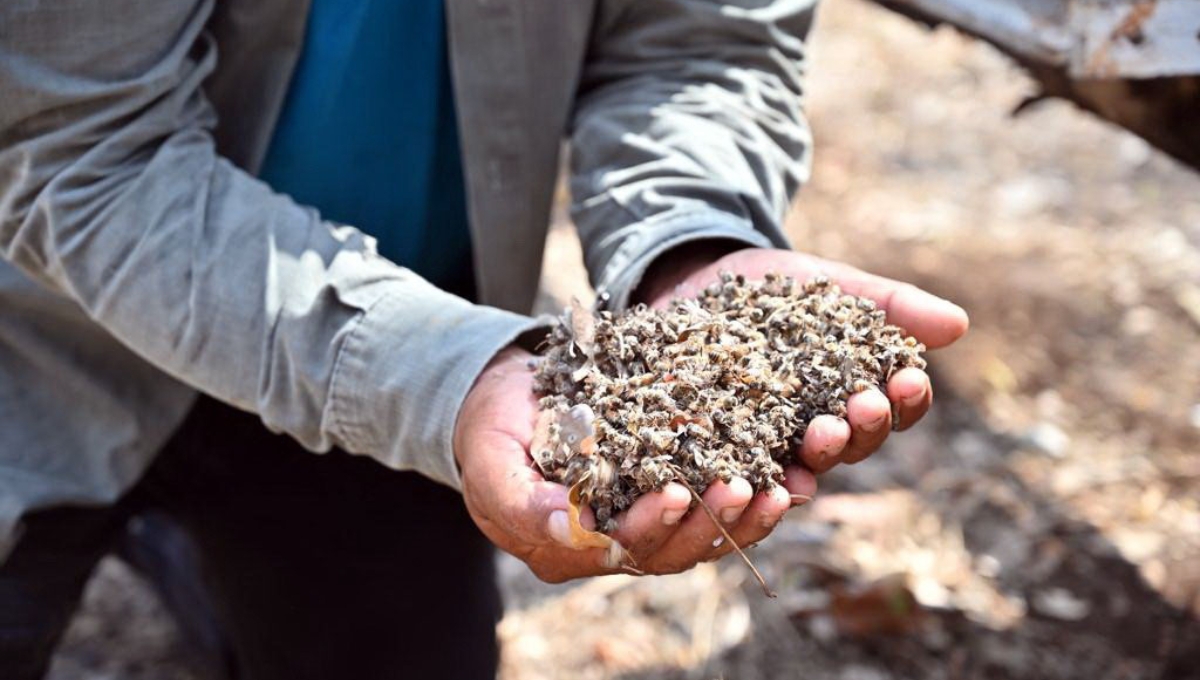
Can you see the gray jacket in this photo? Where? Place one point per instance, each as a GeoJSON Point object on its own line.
{"type": "Point", "coordinates": [143, 262]}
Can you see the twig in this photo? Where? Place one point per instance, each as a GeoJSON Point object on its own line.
{"type": "Point", "coordinates": [716, 522]}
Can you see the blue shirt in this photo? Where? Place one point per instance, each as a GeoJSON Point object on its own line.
{"type": "Point", "coordinates": [368, 136]}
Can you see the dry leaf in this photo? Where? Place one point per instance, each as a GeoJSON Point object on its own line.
{"type": "Point", "coordinates": [583, 327]}
{"type": "Point", "coordinates": [883, 607]}
{"type": "Point", "coordinates": [580, 537]}
{"type": "Point", "coordinates": [578, 423]}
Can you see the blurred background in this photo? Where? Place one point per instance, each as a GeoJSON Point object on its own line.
{"type": "Point", "coordinates": [1042, 522]}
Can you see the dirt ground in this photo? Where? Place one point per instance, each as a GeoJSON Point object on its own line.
{"type": "Point", "coordinates": [1043, 522]}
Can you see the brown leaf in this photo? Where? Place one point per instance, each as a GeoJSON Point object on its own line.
{"type": "Point", "coordinates": [583, 327]}
{"type": "Point", "coordinates": [580, 537]}
{"type": "Point", "coordinates": [884, 607]}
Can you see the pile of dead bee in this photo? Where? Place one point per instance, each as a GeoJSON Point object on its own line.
{"type": "Point", "coordinates": [718, 386]}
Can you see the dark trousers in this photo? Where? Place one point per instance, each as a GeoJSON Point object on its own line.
{"type": "Point", "coordinates": [316, 566]}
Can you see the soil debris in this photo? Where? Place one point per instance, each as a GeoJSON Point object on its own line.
{"type": "Point", "coordinates": [714, 387]}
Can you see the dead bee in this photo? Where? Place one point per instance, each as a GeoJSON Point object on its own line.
{"type": "Point", "coordinates": [709, 388]}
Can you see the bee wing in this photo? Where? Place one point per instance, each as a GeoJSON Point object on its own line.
{"type": "Point", "coordinates": [578, 424]}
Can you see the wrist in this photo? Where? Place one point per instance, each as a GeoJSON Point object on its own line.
{"type": "Point", "coordinates": [511, 361]}
{"type": "Point", "coordinates": [678, 264]}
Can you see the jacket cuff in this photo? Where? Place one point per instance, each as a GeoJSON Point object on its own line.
{"type": "Point", "coordinates": [652, 238]}
{"type": "Point", "coordinates": [403, 373]}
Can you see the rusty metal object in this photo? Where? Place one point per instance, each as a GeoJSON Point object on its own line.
{"type": "Point", "coordinates": [1146, 39]}
{"type": "Point", "coordinates": [1088, 38]}
{"type": "Point", "coordinates": [1135, 63]}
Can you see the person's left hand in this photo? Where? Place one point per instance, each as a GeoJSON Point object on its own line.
{"type": "Point", "coordinates": [829, 440]}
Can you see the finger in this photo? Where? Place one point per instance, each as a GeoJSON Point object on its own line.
{"type": "Point", "coordinates": [694, 540]}
{"type": "Point", "coordinates": [535, 512]}
{"type": "Point", "coordinates": [935, 321]}
{"type": "Point", "coordinates": [912, 394]}
{"type": "Point", "coordinates": [653, 518]}
{"type": "Point", "coordinates": [564, 560]}
{"type": "Point", "coordinates": [760, 517]}
{"type": "Point", "coordinates": [557, 565]}
{"type": "Point", "coordinates": [823, 442]}
{"type": "Point", "coordinates": [870, 416]}
{"type": "Point", "coordinates": [800, 483]}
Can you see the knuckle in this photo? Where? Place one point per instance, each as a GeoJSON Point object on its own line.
{"type": "Point", "coordinates": [644, 546]}
{"type": "Point", "coordinates": [702, 551]}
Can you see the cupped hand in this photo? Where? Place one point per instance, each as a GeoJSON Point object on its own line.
{"type": "Point", "coordinates": [522, 513]}
{"type": "Point", "coordinates": [525, 515]}
{"type": "Point", "coordinates": [829, 440]}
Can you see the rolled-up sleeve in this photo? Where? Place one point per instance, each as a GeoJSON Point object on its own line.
{"type": "Point", "coordinates": [440, 358]}
{"type": "Point", "coordinates": [112, 194]}
{"type": "Point", "coordinates": [689, 126]}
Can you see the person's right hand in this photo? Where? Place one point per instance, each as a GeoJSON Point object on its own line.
{"type": "Point", "coordinates": [828, 440]}
{"type": "Point", "coordinates": [525, 515]}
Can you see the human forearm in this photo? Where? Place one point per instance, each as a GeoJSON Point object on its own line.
{"type": "Point", "coordinates": [112, 194]}
{"type": "Point", "coordinates": [688, 128]}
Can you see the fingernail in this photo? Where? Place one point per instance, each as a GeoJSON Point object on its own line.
{"type": "Point", "coordinates": [915, 398]}
{"type": "Point", "coordinates": [799, 499]}
{"type": "Point", "coordinates": [731, 515]}
{"type": "Point", "coordinates": [559, 528]}
{"type": "Point", "coordinates": [671, 516]}
{"type": "Point", "coordinates": [718, 541]}
{"type": "Point", "coordinates": [778, 494]}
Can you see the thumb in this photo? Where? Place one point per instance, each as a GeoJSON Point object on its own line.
{"type": "Point", "coordinates": [539, 511]}
{"type": "Point", "coordinates": [541, 515]}
{"type": "Point", "coordinates": [506, 488]}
